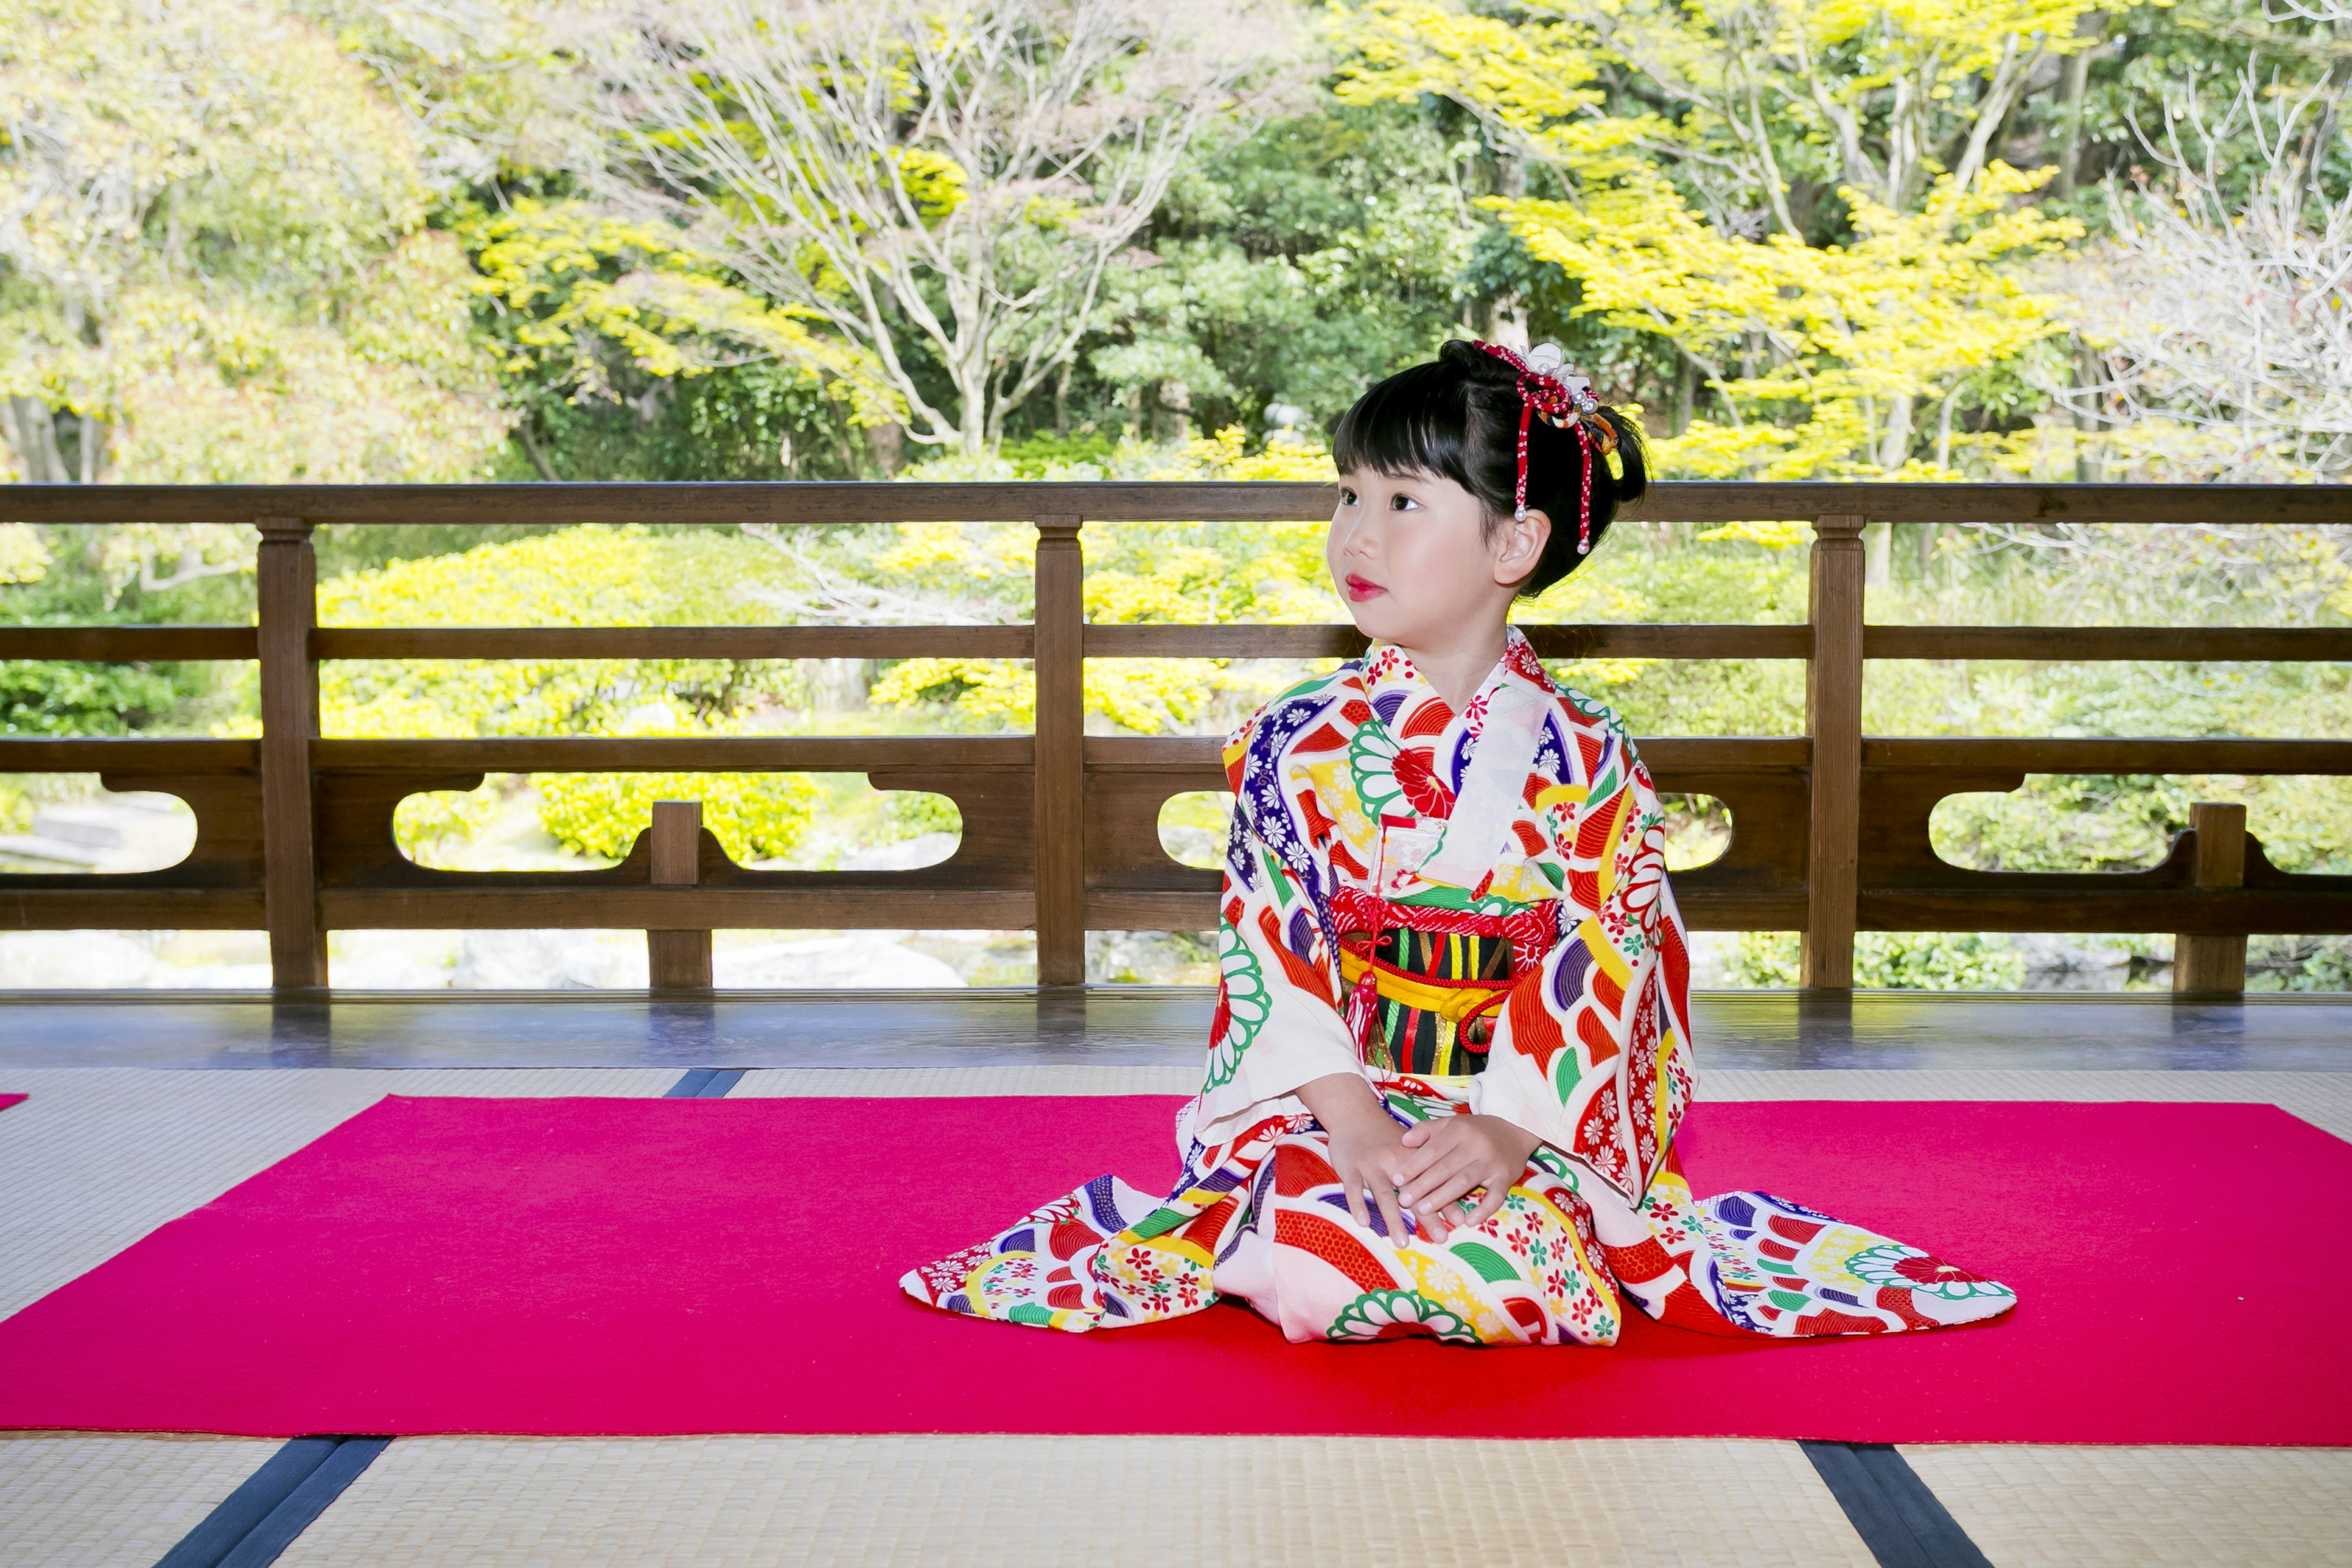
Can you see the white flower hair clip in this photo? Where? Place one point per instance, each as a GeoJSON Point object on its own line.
{"type": "Point", "coordinates": [1565, 402]}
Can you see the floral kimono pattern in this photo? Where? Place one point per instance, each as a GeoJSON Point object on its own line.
{"type": "Point", "coordinates": [1523, 832]}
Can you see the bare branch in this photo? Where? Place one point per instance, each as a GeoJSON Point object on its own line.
{"type": "Point", "coordinates": [955, 175]}
{"type": "Point", "coordinates": [2224, 322]}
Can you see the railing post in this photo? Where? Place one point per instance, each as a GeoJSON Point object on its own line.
{"type": "Point", "coordinates": [677, 960]}
{"type": "Point", "coordinates": [2207, 964]}
{"type": "Point", "coordinates": [287, 577]}
{"type": "Point", "coordinates": [1833, 718]}
{"type": "Point", "coordinates": [1060, 670]}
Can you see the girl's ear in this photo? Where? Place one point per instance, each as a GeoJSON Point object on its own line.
{"type": "Point", "coordinates": [1517, 546]}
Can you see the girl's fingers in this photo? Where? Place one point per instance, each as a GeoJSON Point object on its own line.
{"type": "Point", "coordinates": [1392, 1216]}
{"type": "Point", "coordinates": [1451, 1189]}
{"type": "Point", "coordinates": [1422, 1189]}
{"type": "Point", "coordinates": [1425, 1156]}
{"type": "Point", "coordinates": [1490, 1205]}
{"type": "Point", "coordinates": [1354, 1187]}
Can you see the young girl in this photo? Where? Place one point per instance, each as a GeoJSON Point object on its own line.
{"type": "Point", "coordinates": [1452, 1046]}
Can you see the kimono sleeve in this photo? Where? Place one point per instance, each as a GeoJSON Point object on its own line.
{"type": "Point", "coordinates": [1278, 1022]}
{"type": "Point", "coordinates": [1592, 1052]}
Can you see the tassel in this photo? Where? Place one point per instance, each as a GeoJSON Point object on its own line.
{"type": "Point", "coordinates": [1564, 402]}
{"type": "Point", "coordinates": [1363, 1012]}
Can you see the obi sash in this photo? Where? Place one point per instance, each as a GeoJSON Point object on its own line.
{"type": "Point", "coordinates": [1424, 983]}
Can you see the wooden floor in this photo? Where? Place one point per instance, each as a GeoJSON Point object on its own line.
{"type": "Point", "coordinates": [120, 1135]}
{"type": "Point", "coordinates": [1109, 1025]}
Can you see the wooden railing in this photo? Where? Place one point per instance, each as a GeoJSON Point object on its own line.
{"type": "Point", "coordinates": [1830, 829]}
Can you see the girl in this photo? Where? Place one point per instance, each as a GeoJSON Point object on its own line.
{"type": "Point", "coordinates": [1452, 1046]}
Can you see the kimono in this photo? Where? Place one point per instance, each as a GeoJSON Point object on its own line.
{"type": "Point", "coordinates": [1470, 911]}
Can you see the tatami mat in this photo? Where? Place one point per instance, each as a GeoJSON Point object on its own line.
{"type": "Point", "coordinates": [2033, 1507]}
{"type": "Point", "coordinates": [99, 1156]}
{"type": "Point", "coordinates": [1041, 1503]}
{"type": "Point", "coordinates": [2323, 1099]}
{"type": "Point", "coordinates": [72, 1500]}
{"type": "Point", "coordinates": [859, 1082]}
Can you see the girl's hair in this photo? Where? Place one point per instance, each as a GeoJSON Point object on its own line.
{"type": "Point", "coordinates": [1458, 416]}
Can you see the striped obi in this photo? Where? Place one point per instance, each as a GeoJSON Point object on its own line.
{"type": "Point", "coordinates": [1424, 985]}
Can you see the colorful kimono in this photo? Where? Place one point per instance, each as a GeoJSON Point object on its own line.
{"type": "Point", "coordinates": [1471, 910]}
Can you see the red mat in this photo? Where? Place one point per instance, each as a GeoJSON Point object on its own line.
{"type": "Point", "coordinates": [650, 1267]}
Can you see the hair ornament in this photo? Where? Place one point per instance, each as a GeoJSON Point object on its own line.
{"type": "Point", "coordinates": [1565, 402]}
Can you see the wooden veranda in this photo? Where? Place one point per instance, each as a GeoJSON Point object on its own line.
{"type": "Point", "coordinates": [1830, 829]}
{"type": "Point", "coordinates": [142, 1110]}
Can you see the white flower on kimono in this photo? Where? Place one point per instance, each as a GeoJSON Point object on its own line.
{"type": "Point", "coordinates": [1892, 1263]}
{"type": "Point", "coordinates": [1398, 1314]}
{"type": "Point", "coordinates": [1645, 879]}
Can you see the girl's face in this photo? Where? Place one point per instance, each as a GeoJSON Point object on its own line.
{"type": "Point", "coordinates": [1417, 566]}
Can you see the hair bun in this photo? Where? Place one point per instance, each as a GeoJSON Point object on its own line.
{"type": "Point", "coordinates": [1465, 355]}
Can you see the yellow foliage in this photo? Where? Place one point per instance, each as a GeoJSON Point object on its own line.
{"type": "Point", "coordinates": [290, 320]}
{"type": "Point", "coordinates": [1164, 572]}
{"type": "Point", "coordinates": [1531, 77]}
{"type": "Point", "coordinates": [754, 816]}
{"type": "Point", "coordinates": [1771, 535]}
{"type": "Point", "coordinates": [23, 557]}
{"type": "Point", "coordinates": [995, 691]}
{"type": "Point", "coordinates": [934, 182]}
{"type": "Point", "coordinates": [1831, 359]}
{"type": "Point", "coordinates": [973, 552]}
{"type": "Point", "coordinates": [580, 578]}
{"type": "Point", "coordinates": [565, 270]}
{"type": "Point", "coordinates": [1583, 672]}
{"type": "Point", "coordinates": [1915, 306]}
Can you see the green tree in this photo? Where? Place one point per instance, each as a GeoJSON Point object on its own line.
{"type": "Point", "coordinates": [1802, 200]}
{"type": "Point", "coordinates": [215, 265]}
{"type": "Point", "coordinates": [945, 185]}
{"type": "Point", "coordinates": [578, 299]}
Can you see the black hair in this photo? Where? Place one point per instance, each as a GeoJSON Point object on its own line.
{"type": "Point", "coordinates": [1458, 416]}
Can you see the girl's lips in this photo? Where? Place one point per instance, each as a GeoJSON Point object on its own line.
{"type": "Point", "coordinates": [1360, 588]}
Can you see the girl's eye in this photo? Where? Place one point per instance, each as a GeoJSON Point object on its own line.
{"type": "Point", "coordinates": [1347, 495]}
{"type": "Point", "coordinates": [1403, 503]}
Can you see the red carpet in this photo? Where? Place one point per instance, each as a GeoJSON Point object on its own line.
{"type": "Point", "coordinates": [623, 1265]}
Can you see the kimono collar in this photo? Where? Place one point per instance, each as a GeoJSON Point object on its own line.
{"type": "Point", "coordinates": [1478, 760]}
{"type": "Point", "coordinates": [1400, 694]}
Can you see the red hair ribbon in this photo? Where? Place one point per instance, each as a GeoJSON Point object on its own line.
{"type": "Point", "coordinates": [1566, 402]}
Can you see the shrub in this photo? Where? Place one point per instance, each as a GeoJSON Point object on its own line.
{"type": "Point", "coordinates": [911, 814]}
{"type": "Point", "coordinates": [756, 816]}
{"type": "Point", "coordinates": [1887, 960]}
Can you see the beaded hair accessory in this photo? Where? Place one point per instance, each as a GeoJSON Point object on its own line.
{"type": "Point", "coordinates": [1566, 403]}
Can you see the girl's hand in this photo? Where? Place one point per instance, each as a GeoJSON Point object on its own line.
{"type": "Point", "coordinates": [1451, 1157]}
{"type": "Point", "coordinates": [1368, 1148]}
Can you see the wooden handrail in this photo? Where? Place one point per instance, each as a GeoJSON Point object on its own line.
{"type": "Point", "coordinates": [2143, 645]}
{"type": "Point", "coordinates": [676, 754]}
{"type": "Point", "coordinates": [817, 504]}
{"type": "Point", "coordinates": [130, 644]}
{"type": "Point", "coordinates": [1624, 640]}
{"type": "Point", "coordinates": [2117, 754]}
{"type": "Point", "coordinates": [671, 642]}
{"type": "Point", "coordinates": [1830, 828]}
{"type": "Point", "coordinates": [1230, 639]}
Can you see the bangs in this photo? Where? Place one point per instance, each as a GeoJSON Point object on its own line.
{"type": "Point", "coordinates": [1415, 422]}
